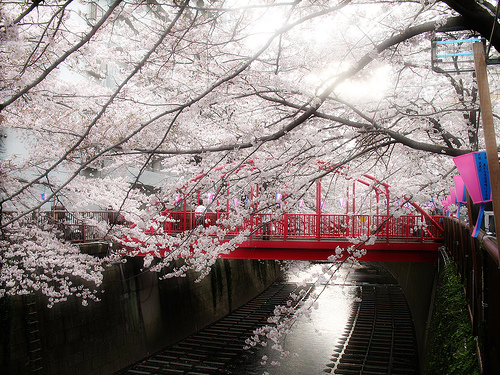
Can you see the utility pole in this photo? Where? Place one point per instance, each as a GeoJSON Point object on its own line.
{"type": "Point", "coordinates": [488, 129]}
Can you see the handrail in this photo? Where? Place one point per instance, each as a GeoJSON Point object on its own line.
{"type": "Point", "coordinates": [488, 242]}
{"type": "Point", "coordinates": [477, 261]}
{"type": "Point", "coordinates": [74, 226]}
{"type": "Point", "coordinates": [81, 226]}
{"type": "Point", "coordinates": [313, 226]}
{"type": "Point", "coordinates": [490, 246]}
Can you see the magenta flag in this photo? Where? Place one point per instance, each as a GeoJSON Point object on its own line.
{"type": "Point", "coordinates": [460, 189]}
{"type": "Point", "coordinates": [473, 169]}
{"type": "Point", "coordinates": [453, 196]}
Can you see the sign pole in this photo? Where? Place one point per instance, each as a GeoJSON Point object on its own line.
{"type": "Point", "coordinates": [488, 129]}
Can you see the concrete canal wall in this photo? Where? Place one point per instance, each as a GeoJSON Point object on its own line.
{"type": "Point", "coordinates": [418, 281]}
{"type": "Point", "coordinates": [138, 314]}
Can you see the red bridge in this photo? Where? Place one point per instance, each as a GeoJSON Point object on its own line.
{"type": "Point", "coordinates": [413, 237]}
{"type": "Point", "coordinates": [408, 238]}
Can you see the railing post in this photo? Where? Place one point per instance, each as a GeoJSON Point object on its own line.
{"type": "Point", "coordinates": [353, 197]}
{"type": "Point", "coordinates": [285, 224]}
{"type": "Point", "coordinates": [422, 221]}
{"type": "Point", "coordinates": [368, 229]}
{"type": "Point", "coordinates": [318, 210]}
{"type": "Point", "coordinates": [185, 214]}
{"type": "Point", "coordinates": [251, 226]}
{"type": "Point", "coordinates": [387, 229]}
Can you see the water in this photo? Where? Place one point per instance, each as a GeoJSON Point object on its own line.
{"type": "Point", "coordinates": [313, 340]}
{"type": "Point", "coordinates": [314, 344]}
{"type": "Point", "coordinates": [361, 325]}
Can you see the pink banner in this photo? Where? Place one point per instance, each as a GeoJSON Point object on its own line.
{"type": "Point", "coordinates": [453, 196]}
{"type": "Point", "coordinates": [460, 189]}
{"type": "Point", "coordinates": [473, 169]}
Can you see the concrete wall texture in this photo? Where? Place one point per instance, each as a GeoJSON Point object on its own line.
{"type": "Point", "coordinates": [138, 315]}
{"type": "Point", "coordinates": [418, 281]}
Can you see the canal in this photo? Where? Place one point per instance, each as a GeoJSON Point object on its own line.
{"type": "Point", "coordinates": [360, 324]}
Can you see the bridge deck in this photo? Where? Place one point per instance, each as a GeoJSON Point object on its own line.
{"type": "Point", "coordinates": [394, 251]}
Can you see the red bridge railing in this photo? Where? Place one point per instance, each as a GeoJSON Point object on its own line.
{"type": "Point", "coordinates": [83, 226]}
{"type": "Point", "coordinates": [314, 226]}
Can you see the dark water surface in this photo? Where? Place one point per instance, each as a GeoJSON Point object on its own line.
{"type": "Point", "coordinates": [361, 325]}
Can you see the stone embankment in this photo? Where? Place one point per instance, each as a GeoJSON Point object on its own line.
{"type": "Point", "coordinates": [138, 315]}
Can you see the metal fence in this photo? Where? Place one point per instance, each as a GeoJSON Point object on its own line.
{"type": "Point", "coordinates": [290, 225]}
{"type": "Point", "coordinates": [74, 226]}
{"type": "Point", "coordinates": [82, 226]}
{"type": "Point", "coordinates": [477, 261]}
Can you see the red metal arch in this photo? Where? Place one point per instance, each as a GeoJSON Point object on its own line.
{"type": "Point", "coordinates": [376, 186]}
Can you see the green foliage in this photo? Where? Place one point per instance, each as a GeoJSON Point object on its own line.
{"type": "Point", "coordinates": [452, 347]}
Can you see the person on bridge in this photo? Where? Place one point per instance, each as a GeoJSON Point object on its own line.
{"type": "Point", "coordinates": [199, 212]}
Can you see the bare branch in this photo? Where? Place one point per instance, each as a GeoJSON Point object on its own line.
{"type": "Point", "coordinates": [62, 58]}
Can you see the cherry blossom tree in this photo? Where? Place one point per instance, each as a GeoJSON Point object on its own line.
{"type": "Point", "coordinates": [101, 93]}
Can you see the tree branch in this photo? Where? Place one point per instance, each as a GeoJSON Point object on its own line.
{"type": "Point", "coordinates": [61, 59]}
{"type": "Point", "coordinates": [479, 17]}
{"type": "Point", "coordinates": [308, 112]}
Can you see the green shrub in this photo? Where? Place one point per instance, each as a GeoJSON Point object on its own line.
{"type": "Point", "coordinates": [452, 347]}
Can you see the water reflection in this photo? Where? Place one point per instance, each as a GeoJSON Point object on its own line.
{"type": "Point", "coordinates": [312, 342]}
{"type": "Point", "coordinates": [362, 324]}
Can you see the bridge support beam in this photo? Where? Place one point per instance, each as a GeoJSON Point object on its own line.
{"type": "Point", "coordinates": [321, 251]}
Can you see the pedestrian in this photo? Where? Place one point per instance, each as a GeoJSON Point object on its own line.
{"type": "Point", "coordinates": [199, 212]}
